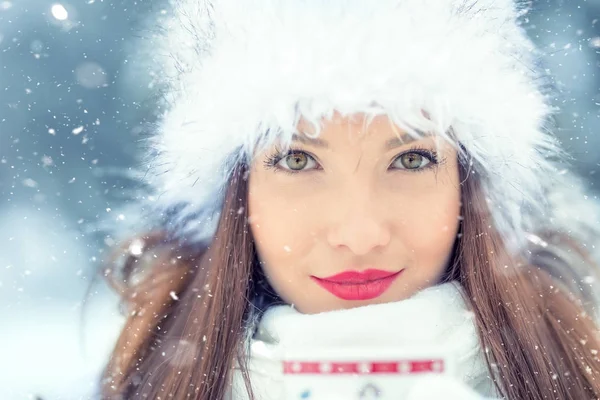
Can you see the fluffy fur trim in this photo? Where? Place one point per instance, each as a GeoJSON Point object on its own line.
{"type": "Point", "coordinates": [242, 72]}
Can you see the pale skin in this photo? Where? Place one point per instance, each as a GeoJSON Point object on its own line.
{"type": "Point", "coordinates": [361, 196]}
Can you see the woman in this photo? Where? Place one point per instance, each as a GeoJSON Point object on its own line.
{"type": "Point", "coordinates": [348, 173]}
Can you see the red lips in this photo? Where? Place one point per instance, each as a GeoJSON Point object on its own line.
{"type": "Point", "coordinates": [358, 285]}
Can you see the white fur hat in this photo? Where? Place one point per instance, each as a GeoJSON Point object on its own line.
{"type": "Point", "coordinates": [240, 70]}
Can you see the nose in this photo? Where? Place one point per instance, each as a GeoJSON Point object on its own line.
{"type": "Point", "coordinates": [359, 223]}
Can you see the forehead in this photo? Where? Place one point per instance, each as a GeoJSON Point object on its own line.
{"type": "Point", "coordinates": [359, 121]}
{"type": "Point", "coordinates": [357, 126]}
{"type": "Point", "coordinates": [378, 124]}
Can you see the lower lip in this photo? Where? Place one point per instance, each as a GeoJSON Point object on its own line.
{"type": "Point", "coordinates": [358, 291]}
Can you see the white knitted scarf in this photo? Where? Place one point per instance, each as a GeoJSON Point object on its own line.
{"type": "Point", "coordinates": [436, 317]}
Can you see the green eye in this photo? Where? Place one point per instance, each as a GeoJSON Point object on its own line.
{"type": "Point", "coordinates": [296, 161]}
{"type": "Point", "coordinates": [413, 161]}
{"type": "Point", "coordinates": [291, 161]}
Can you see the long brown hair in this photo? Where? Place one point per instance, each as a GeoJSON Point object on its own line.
{"type": "Point", "coordinates": [190, 309]}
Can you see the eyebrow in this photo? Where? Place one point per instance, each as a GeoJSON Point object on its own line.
{"type": "Point", "coordinates": [390, 144]}
{"type": "Point", "coordinates": [402, 140]}
{"type": "Point", "coordinates": [317, 142]}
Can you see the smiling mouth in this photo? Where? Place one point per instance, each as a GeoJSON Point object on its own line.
{"type": "Point", "coordinates": [354, 285]}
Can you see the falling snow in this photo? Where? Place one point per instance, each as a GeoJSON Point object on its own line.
{"type": "Point", "coordinates": [59, 12]}
{"type": "Point", "coordinates": [30, 183]}
{"type": "Point", "coordinates": [91, 75]}
{"type": "Point", "coordinates": [77, 107]}
{"type": "Point", "coordinates": [136, 247]}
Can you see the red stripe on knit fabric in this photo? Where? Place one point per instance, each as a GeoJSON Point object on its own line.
{"type": "Point", "coordinates": [403, 367]}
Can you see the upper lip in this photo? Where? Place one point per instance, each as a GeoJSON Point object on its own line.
{"type": "Point", "coordinates": [358, 277]}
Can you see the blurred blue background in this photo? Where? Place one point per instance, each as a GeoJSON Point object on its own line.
{"type": "Point", "coordinates": [74, 104]}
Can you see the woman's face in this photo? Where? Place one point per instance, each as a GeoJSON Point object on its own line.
{"type": "Point", "coordinates": [355, 217]}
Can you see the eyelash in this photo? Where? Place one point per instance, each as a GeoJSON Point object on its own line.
{"type": "Point", "coordinates": [278, 155]}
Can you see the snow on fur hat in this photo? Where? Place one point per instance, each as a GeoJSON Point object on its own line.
{"type": "Point", "coordinates": [243, 70]}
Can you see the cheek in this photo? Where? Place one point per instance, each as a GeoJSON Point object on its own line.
{"type": "Point", "coordinates": [431, 233]}
{"type": "Point", "coordinates": [429, 230]}
{"type": "Point", "coordinates": [286, 214]}
{"type": "Point", "coordinates": [284, 228]}
{"type": "Point", "coordinates": [280, 225]}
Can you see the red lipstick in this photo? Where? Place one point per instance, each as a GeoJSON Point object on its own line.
{"type": "Point", "coordinates": [358, 285]}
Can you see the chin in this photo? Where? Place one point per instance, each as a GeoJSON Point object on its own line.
{"type": "Point", "coordinates": [333, 304]}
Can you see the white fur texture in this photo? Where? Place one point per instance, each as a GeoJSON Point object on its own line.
{"type": "Point", "coordinates": [243, 70]}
